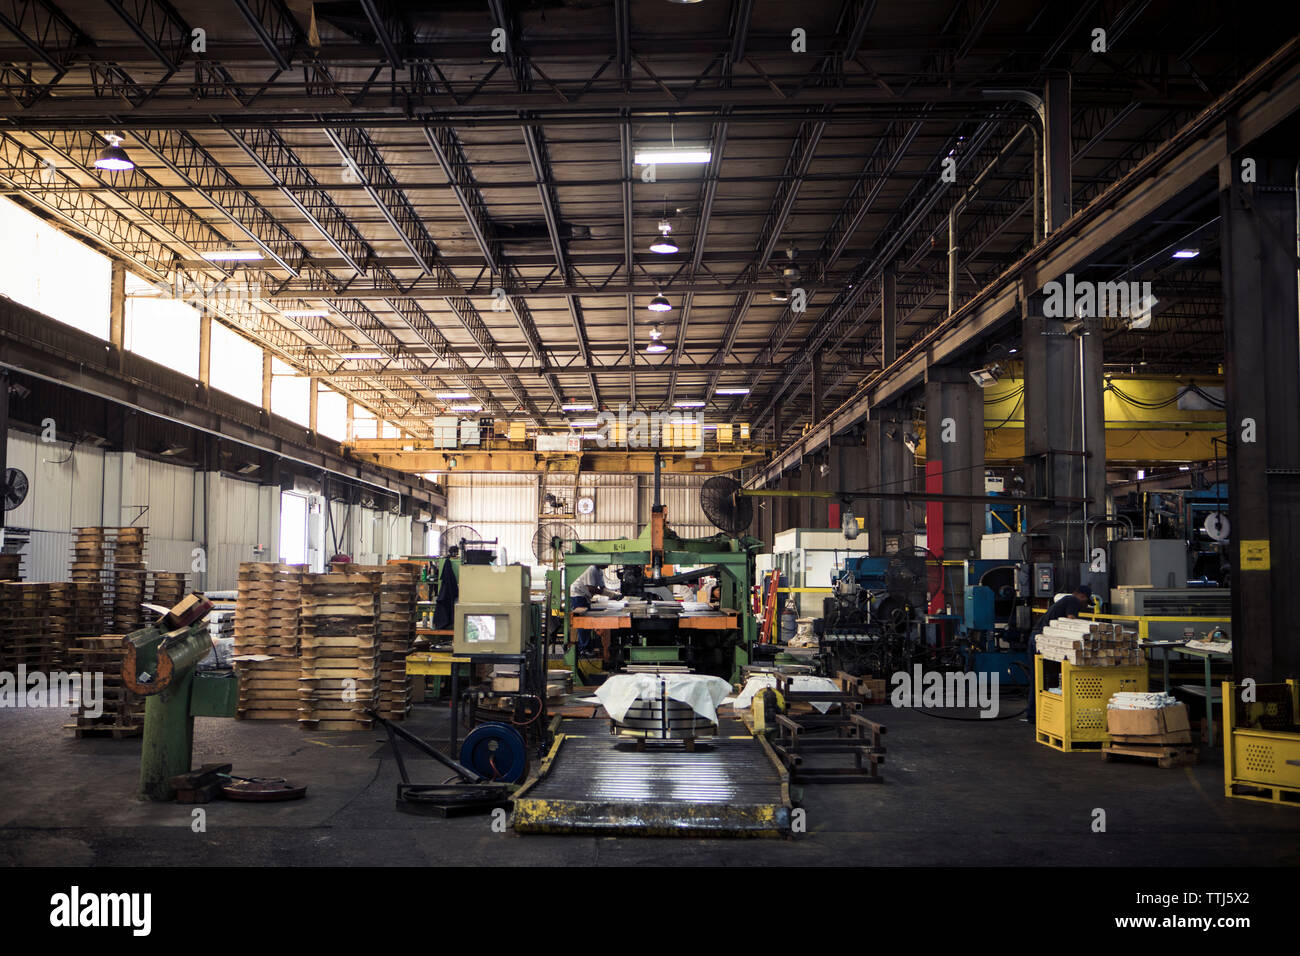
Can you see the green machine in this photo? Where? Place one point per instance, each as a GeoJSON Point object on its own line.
{"type": "Point", "coordinates": [712, 643]}
{"type": "Point", "coordinates": [161, 664]}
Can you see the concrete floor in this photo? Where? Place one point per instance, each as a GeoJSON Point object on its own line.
{"type": "Point", "coordinates": [955, 793]}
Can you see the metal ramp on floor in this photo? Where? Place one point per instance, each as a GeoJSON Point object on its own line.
{"type": "Point", "coordinates": [729, 786]}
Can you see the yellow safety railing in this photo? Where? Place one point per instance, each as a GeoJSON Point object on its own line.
{"type": "Point", "coordinates": [1144, 621]}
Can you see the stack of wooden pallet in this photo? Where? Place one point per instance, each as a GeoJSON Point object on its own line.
{"type": "Point", "coordinates": [268, 687]}
{"type": "Point", "coordinates": [129, 577]}
{"type": "Point", "coordinates": [166, 588]}
{"type": "Point", "coordinates": [1089, 643]}
{"type": "Point", "coordinates": [397, 614]}
{"type": "Point", "coordinates": [31, 630]}
{"type": "Point", "coordinates": [340, 650]}
{"type": "Point", "coordinates": [122, 713]}
{"type": "Point", "coordinates": [267, 607]}
{"type": "Point", "coordinates": [87, 573]}
{"type": "Point", "coordinates": [11, 567]}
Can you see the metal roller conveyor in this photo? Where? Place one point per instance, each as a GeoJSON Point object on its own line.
{"type": "Point", "coordinates": [731, 786]}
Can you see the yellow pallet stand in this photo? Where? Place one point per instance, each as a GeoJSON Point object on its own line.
{"type": "Point", "coordinates": [1075, 719]}
{"type": "Point", "coordinates": [1261, 765]}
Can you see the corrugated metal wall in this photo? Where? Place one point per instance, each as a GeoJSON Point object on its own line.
{"type": "Point", "coordinates": [505, 507]}
{"type": "Point", "coordinates": [65, 491]}
{"type": "Point", "coordinates": [71, 488]}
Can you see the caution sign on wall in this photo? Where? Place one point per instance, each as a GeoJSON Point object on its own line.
{"type": "Point", "coordinates": [1254, 555]}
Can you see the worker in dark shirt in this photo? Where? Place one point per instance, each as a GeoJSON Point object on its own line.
{"type": "Point", "coordinates": [1072, 605]}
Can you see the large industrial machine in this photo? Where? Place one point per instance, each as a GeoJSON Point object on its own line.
{"type": "Point", "coordinates": [712, 641]}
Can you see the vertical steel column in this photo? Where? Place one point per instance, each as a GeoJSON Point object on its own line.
{"type": "Point", "coordinates": [954, 439]}
{"type": "Point", "coordinates": [1262, 375]}
{"type": "Point", "coordinates": [117, 312]}
{"type": "Point", "coordinates": [205, 349]}
{"type": "Point", "coordinates": [266, 382]}
{"type": "Point", "coordinates": [805, 505]}
{"type": "Point", "coordinates": [1065, 437]}
{"type": "Point", "coordinates": [1056, 142]}
{"type": "Point", "coordinates": [889, 466]}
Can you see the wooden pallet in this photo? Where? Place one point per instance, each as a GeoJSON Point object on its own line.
{"type": "Point", "coordinates": [268, 688]}
{"type": "Point", "coordinates": [339, 620]}
{"type": "Point", "coordinates": [115, 731]}
{"type": "Point", "coordinates": [1165, 755]}
{"type": "Point", "coordinates": [267, 609]}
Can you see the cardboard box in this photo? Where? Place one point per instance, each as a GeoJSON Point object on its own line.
{"type": "Point", "coordinates": [1149, 723]}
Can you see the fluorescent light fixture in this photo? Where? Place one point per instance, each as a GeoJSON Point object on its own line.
{"type": "Point", "coordinates": [688, 404]}
{"type": "Point", "coordinates": [451, 396]}
{"type": "Point", "coordinates": [731, 391]}
{"type": "Point", "coordinates": [361, 356]}
{"type": "Point", "coordinates": [1184, 467]}
{"type": "Point", "coordinates": [465, 408]}
{"type": "Point", "coordinates": [660, 303]}
{"type": "Point", "coordinates": [584, 423]}
{"type": "Point", "coordinates": [577, 408]}
{"type": "Point", "coordinates": [113, 156]}
{"type": "Point", "coordinates": [1187, 253]}
{"type": "Point", "coordinates": [232, 255]}
{"type": "Point", "coordinates": [671, 156]}
{"type": "Point", "coordinates": [1142, 473]}
{"type": "Point", "coordinates": [305, 313]}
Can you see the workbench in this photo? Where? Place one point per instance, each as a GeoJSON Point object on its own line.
{"type": "Point", "coordinates": [1208, 692]}
{"type": "Point", "coordinates": [719, 621]}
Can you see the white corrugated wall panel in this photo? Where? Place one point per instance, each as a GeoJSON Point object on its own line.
{"type": "Point", "coordinates": [22, 455]}
{"type": "Point", "coordinates": [88, 491]}
{"type": "Point", "coordinates": [173, 554]}
{"type": "Point", "coordinates": [168, 490]}
{"type": "Point", "coordinates": [47, 556]}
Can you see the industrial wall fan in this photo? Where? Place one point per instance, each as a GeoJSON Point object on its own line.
{"type": "Point", "coordinates": [725, 506]}
{"type": "Point", "coordinates": [552, 541]}
{"type": "Point", "coordinates": [458, 536]}
{"type": "Point", "coordinates": [15, 488]}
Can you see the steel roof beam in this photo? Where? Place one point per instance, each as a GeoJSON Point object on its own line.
{"type": "Point", "coordinates": [276, 27]}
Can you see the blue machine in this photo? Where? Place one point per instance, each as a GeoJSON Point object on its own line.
{"type": "Point", "coordinates": [989, 620]}
{"type": "Point", "coordinates": [1000, 518]}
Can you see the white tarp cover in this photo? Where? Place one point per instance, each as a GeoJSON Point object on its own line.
{"type": "Point", "coordinates": [798, 682]}
{"type": "Point", "coordinates": [700, 692]}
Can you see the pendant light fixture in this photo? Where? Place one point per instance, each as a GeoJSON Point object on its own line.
{"type": "Point", "coordinates": [660, 303]}
{"type": "Point", "coordinates": [656, 341]}
{"type": "Point", "coordinates": [664, 244]}
{"type": "Point", "coordinates": [113, 157]}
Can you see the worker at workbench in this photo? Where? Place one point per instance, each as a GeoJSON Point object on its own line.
{"type": "Point", "coordinates": [588, 584]}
